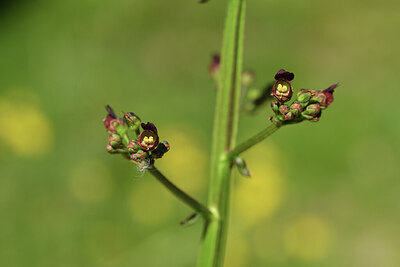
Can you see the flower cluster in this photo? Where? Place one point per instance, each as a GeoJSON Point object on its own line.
{"type": "Point", "coordinates": [308, 105]}
{"type": "Point", "coordinates": [142, 149]}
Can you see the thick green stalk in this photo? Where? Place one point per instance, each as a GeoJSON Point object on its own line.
{"type": "Point", "coordinates": [224, 137]}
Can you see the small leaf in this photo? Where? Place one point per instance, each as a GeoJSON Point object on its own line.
{"type": "Point", "coordinates": [242, 167]}
{"type": "Point", "coordinates": [192, 219]}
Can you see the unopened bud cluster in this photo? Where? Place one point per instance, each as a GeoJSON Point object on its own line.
{"type": "Point", "coordinates": [307, 106]}
{"type": "Point", "coordinates": [143, 148]}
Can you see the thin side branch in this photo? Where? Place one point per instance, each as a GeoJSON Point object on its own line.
{"type": "Point", "coordinates": [193, 203]}
{"type": "Point", "coordinates": [253, 140]}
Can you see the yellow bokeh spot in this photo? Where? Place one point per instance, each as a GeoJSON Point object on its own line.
{"type": "Point", "coordinates": [308, 238]}
{"type": "Point", "coordinates": [186, 162]}
{"type": "Point", "coordinates": [257, 198]}
{"type": "Point", "coordinates": [25, 127]}
{"type": "Point", "coordinates": [150, 203]}
{"type": "Point", "coordinates": [105, 242]}
{"type": "Point", "coordinates": [91, 181]}
{"type": "Point", "coordinates": [237, 251]}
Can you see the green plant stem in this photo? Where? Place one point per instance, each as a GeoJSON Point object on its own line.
{"type": "Point", "coordinates": [224, 136]}
{"type": "Point", "coordinates": [253, 140]}
{"type": "Point", "coordinates": [193, 203]}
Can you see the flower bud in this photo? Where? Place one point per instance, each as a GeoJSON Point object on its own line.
{"type": "Point", "coordinates": [110, 149]}
{"type": "Point", "coordinates": [313, 109]}
{"type": "Point", "coordinates": [132, 120]}
{"type": "Point", "coordinates": [213, 68]}
{"type": "Point", "coordinates": [133, 147]}
{"type": "Point", "coordinates": [111, 120]}
{"type": "Point", "coordinates": [296, 108]}
{"type": "Point", "coordinates": [312, 112]}
{"type": "Point", "coordinates": [326, 96]}
{"type": "Point", "coordinates": [115, 140]}
{"type": "Point", "coordinates": [282, 89]}
{"type": "Point", "coordinates": [275, 106]}
{"type": "Point", "coordinates": [304, 96]}
{"type": "Point", "coordinates": [160, 150]}
{"type": "Point", "coordinates": [242, 167]}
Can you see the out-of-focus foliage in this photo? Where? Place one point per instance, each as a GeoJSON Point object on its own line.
{"type": "Point", "coordinates": [323, 194]}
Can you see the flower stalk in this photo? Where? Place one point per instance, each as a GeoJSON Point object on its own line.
{"type": "Point", "coordinates": [193, 203]}
{"type": "Point", "coordinates": [224, 137]}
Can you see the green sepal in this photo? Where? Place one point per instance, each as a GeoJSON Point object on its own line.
{"type": "Point", "coordinates": [123, 132]}
{"type": "Point", "coordinates": [306, 116]}
{"type": "Point", "coordinates": [192, 219]}
{"type": "Point", "coordinates": [242, 167]}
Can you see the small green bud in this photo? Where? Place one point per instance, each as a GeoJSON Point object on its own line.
{"type": "Point", "coordinates": [133, 147]}
{"type": "Point", "coordinates": [318, 98]}
{"type": "Point", "coordinates": [190, 220]}
{"type": "Point", "coordinates": [242, 167]}
{"type": "Point", "coordinates": [304, 97]}
{"type": "Point", "coordinates": [114, 140]}
{"type": "Point", "coordinates": [313, 109]}
{"type": "Point", "coordinates": [110, 149]}
{"type": "Point", "coordinates": [296, 108]}
{"type": "Point", "coordinates": [133, 121]}
{"type": "Point", "coordinates": [275, 106]}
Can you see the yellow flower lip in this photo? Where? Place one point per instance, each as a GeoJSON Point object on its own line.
{"type": "Point", "coordinates": [283, 87]}
{"type": "Point", "coordinates": [148, 140]}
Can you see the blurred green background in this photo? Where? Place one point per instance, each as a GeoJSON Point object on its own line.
{"type": "Point", "coordinates": [322, 194]}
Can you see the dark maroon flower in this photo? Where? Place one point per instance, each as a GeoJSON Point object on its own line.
{"type": "Point", "coordinates": [282, 89]}
{"type": "Point", "coordinates": [148, 138]}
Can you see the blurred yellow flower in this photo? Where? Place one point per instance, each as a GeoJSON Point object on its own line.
{"type": "Point", "coordinates": [91, 181]}
{"type": "Point", "coordinates": [150, 203]}
{"type": "Point", "coordinates": [25, 128]}
{"type": "Point", "coordinates": [186, 163]}
{"type": "Point", "coordinates": [237, 250]}
{"type": "Point", "coordinates": [308, 238]}
{"type": "Point", "coordinates": [105, 242]}
{"type": "Point", "coordinates": [258, 198]}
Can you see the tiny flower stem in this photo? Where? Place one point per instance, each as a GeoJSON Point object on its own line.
{"type": "Point", "coordinates": [253, 140]}
{"type": "Point", "coordinates": [197, 206]}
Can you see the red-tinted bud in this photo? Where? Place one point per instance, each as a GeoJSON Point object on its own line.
{"type": "Point", "coordinates": [131, 119]}
{"type": "Point", "coordinates": [111, 119]}
{"type": "Point", "coordinates": [133, 147]}
{"type": "Point", "coordinates": [110, 149]}
{"type": "Point", "coordinates": [313, 109]}
{"type": "Point", "coordinates": [312, 112]}
{"type": "Point", "coordinates": [114, 140]}
{"type": "Point", "coordinates": [296, 108]}
{"type": "Point", "coordinates": [328, 95]}
{"type": "Point", "coordinates": [304, 96]}
{"type": "Point", "coordinates": [213, 68]}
